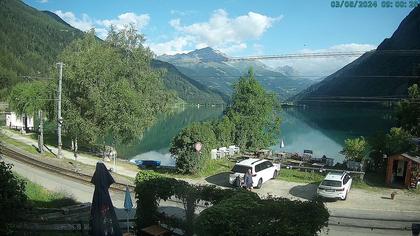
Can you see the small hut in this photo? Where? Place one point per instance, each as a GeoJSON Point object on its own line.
{"type": "Point", "coordinates": [403, 170]}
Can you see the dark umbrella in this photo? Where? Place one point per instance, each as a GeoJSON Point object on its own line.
{"type": "Point", "coordinates": [103, 221]}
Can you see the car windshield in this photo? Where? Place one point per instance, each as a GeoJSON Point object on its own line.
{"type": "Point", "coordinates": [332, 183]}
{"type": "Point", "coordinates": [240, 169]}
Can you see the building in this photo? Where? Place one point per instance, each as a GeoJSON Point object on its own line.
{"type": "Point", "coordinates": [14, 121]}
{"type": "Point", "coordinates": [403, 170]}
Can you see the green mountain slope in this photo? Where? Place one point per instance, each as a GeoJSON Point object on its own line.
{"type": "Point", "coordinates": [31, 40]}
{"type": "Point", "coordinates": [387, 71]}
{"type": "Point", "coordinates": [188, 89]}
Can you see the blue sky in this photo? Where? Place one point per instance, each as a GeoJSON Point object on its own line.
{"type": "Point", "coordinates": [237, 27]}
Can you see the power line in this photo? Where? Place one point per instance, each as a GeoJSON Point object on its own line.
{"type": "Point", "coordinates": [321, 55]}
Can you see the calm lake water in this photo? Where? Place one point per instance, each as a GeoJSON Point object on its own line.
{"type": "Point", "coordinates": [321, 129]}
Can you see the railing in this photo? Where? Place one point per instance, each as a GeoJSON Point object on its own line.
{"type": "Point", "coordinates": [359, 174]}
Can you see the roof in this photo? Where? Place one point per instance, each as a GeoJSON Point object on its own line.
{"type": "Point", "coordinates": [412, 157]}
{"type": "Point", "coordinates": [250, 161]}
{"type": "Point", "coordinates": [334, 175]}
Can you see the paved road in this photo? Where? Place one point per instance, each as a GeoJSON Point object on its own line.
{"type": "Point", "coordinates": [83, 193]}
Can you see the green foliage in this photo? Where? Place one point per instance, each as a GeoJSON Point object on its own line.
{"type": "Point", "coordinates": [254, 113]}
{"type": "Point", "coordinates": [355, 149]}
{"type": "Point", "coordinates": [408, 111]}
{"type": "Point", "coordinates": [188, 161]}
{"type": "Point", "coordinates": [397, 141]}
{"type": "Point", "coordinates": [30, 42]}
{"type": "Point", "coordinates": [151, 188]}
{"type": "Point", "coordinates": [30, 97]}
{"type": "Point", "coordinates": [244, 214]}
{"type": "Point", "coordinates": [110, 88]}
{"type": "Point", "coordinates": [12, 199]}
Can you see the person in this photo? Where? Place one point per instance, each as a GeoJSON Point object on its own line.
{"type": "Point", "coordinates": [248, 180]}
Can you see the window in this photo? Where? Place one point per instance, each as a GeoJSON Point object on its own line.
{"type": "Point", "coordinates": [259, 167]}
{"type": "Point", "coordinates": [345, 179]}
{"type": "Point", "coordinates": [240, 169]}
{"type": "Point", "coordinates": [332, 183]}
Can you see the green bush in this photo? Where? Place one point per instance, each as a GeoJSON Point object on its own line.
{"type": "Point", "coordinates": [245, 215]}
{"type": "Point", "coordinates": [12, 199]}
{"type": "Point", "coordinates": [188, 160]}
{"type": "Point", "coordinates": [150, 189]}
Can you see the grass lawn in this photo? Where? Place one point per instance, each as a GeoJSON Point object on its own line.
{"type": "Point", "coordinates": [23, 146]}
{"type": "Point", "coordinates": [38, 196]}
{"type": "Point", "coordinates": [293, 175]}
{"type": "Point", "coordinates": [211, 167]}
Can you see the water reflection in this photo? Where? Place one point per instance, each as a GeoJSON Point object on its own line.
{"type": "Point", "coordinates": [321, 129]}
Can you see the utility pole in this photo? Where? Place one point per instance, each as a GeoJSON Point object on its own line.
{"type": "Point", "coordinates": [59, 118]}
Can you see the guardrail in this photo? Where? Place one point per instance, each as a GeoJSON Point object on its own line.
{"type": "Point", "coordinates": [359, 174]}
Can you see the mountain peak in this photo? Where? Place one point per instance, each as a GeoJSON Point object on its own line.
{"type": "Point", "coordinates": [208, 54]}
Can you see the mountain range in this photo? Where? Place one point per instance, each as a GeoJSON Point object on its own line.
{"type": "Point", "coordinates": [217, 71]}
{"type": "Point", "coordinates": [31, 41]}
{"type": "Point", "coordinates": [385, 72]}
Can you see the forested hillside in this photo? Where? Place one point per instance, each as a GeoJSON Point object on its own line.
{"type": "Point", "coordinates": [31, 40]}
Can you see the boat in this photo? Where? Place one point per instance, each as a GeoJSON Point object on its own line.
{"type": "Point", "coordinates": [146, 163]}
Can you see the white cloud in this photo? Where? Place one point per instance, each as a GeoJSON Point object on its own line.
{"type": "Point", "coordinates": [101, 27]}
{"type": "Point", "coordinates": [43, 1]}
{"type": "Point", "coordinates": [123, 20]}
{"type": "Point", "coordinates": [171, 47]}
{"type": "Point", "coordinates": [319, 67]}
{"type": "Point", "coordinates": [222, 32]}
{"type": "Point", "coordinates": [84, 23]}
{"type": "Point", "coordinates": [220, 29]}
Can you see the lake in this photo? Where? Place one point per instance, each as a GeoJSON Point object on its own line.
{"type": "Point", "coordinates": [321, 129]}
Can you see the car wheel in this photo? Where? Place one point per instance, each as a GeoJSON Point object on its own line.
{"type": "Point", "coordinates": [345, 196]}
{"type": "Point", "coordinates": [275, 174]}
{"type": "Point", "coordinates": [259, 183]}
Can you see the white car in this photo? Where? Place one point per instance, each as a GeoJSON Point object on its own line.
{"type": "Point", "coordinates": [335, 185]}
{"type": "Point", "coordinates": [261, 169]}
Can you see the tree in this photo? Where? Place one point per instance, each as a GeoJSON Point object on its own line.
{"type": "Point", "coordinates": [31, 98]}
{"type": "Point", "coordinates": [110, 92]}
{"type": "Point", "coordinates": [408, 111]}
{"type": "Point", "coordinates": [12, 199]}
{"type": "Point", "coordinates": [355, 149]}
{"type": "Point", "coordinates": [188, 160]}
{"type": "Point", "coordinates": [254, 113]}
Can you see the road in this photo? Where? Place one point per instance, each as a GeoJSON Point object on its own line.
{"type": "Point", "coordinates": [343, 221]}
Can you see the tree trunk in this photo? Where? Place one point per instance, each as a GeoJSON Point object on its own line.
{"type": "Point", "coordinates": [76, 148]}
{"type": "Point", "coordinates": [25, 123]}
{"type": "Point", "coordinates": [41, 132]}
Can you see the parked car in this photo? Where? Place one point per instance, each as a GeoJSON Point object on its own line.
{"type": "Point", "coordinates": [262, 170]}
{"type": "Point", "coordinates": [335, 185]}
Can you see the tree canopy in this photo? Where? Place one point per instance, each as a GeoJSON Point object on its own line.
{"type": "Point", "coordinates": [408, 111]}
{"type": "Point", "coordinates": [254, 113]}
{"type": "Point", "coordinates": [109, 88]}
{"type": "Point", "coordinates": [355, 149]}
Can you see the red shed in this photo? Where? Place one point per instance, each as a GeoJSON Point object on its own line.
{"type": "Point", "coordinates": [404, 170]}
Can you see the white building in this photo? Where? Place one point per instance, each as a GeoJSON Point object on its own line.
{"type": "Point", "coordinates": [14, 121]}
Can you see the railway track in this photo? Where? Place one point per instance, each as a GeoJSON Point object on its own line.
{"type": "Point", "coordinates": [72, 174]}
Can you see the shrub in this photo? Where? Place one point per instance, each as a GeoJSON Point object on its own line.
{"type": "Point", "coordinates": [189, 161]}
{"type": "Point", "coordinates": [12, 199]}
{"type": "Point", "coordinates": [248, 215]}
{"type": "Point", "coordinates": [150, 189]}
